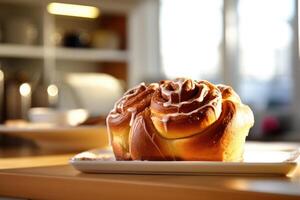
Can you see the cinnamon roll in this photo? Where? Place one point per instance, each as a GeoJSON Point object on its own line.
{"type": "Point", "coordinates": [180, 119]}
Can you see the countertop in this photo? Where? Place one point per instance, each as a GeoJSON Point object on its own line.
{"type": "Point", "coordinates": [50, 177]}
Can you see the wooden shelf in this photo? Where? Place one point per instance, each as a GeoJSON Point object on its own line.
{"type": "Point", "coordinates": [25, 51]}
{"type": "Point", "coordinates": [21, 51]}
{"type": "Point", "coordinates": [91, 54]}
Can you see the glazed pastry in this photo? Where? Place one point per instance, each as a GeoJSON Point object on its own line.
{"type": "Point", "coordinates": [121, 118]}
{"type": "Point", "coordinates": [180, 120]}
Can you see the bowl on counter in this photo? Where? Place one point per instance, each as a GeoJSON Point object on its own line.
{"type": "Point", "coordinates": [53, 138]}
{"type": "Point", "coordinates": [58, 117]}
{"type": "Point", "coordinates": [95, 92]}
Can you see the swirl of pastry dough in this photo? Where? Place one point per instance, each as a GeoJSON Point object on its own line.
{"type": "Point", "coordinates": [121, 117]}
{"type": "Point", "coordinates": [184, 107]}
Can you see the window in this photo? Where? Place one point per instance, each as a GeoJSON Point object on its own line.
{"type": "Point", "coordinates": [192, 38]}
{"type": "Point", "coordinates": [265, 48]}
{"type": "Point", "coordinates": [191, 34]}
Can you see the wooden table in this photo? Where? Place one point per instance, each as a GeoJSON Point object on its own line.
{"type": "Point", "coordinates": [50, 177]}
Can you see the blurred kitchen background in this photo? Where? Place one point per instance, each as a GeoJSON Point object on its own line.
{"type": "Point", "coordinates": [64, 56]}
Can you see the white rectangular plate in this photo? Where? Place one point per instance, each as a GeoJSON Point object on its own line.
{"type": "Point", "coordinates": [262, 159]}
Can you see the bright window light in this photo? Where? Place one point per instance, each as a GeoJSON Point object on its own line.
{"type": "Point", "coordinates": [73, 10]}
{"type": "Point", "coordinates": [191, 33]}
{"type": "Point", "coordinates": [265, 39]}
{"type": "Point", "coordinates": [265, 52]}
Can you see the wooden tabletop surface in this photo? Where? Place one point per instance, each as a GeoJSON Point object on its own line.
{"type": "Point", "coordinates": [50, 177]}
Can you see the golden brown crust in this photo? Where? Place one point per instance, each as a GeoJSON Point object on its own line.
{"type": "Point", "coordinates": [182, 120]}
{"type": "Point", "coordinates": [145, 141]}
{"type": "Point", "coordinates": [185, 107]}
{"type": "Point", "coordinates": [121, 117]}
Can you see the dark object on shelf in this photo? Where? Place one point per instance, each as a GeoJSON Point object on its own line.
{"type": "Point", "coordinates": [75, 39]}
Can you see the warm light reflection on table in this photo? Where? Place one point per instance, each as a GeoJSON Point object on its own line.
{"type": "Point", "coordinates": [37, 171]}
